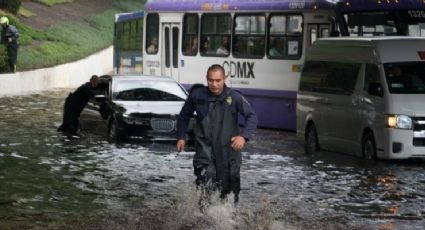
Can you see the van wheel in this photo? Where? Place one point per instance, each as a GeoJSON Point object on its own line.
{"type": "Point", "coordinates": [113, 132]}
{"type": "Point", "coordinates": [369, 147]}
{"type": "Point", "coordinates": [311, 140]}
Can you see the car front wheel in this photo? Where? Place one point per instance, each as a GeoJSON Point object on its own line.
{"type": "Point", "coordinates": [311, 140]}
{"type": "Point", "coordinates": [369, 147]}
{"type": "Point", "coordinates": [114, 134]}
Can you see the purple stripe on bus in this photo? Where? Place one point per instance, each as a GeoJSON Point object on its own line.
{"type": "Point", "coordinates": [363, 5]}
{"type": "Point", "coordinates": [230, 5]}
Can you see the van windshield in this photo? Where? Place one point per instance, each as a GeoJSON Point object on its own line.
{"type": "Point", "coordinates": [405, 77]}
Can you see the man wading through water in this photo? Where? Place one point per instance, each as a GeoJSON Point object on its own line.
{"type": "Point", "coordinates": [218, 138]}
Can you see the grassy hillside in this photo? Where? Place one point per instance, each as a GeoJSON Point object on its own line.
{"type": "Point", "coordinates": [65, 41]}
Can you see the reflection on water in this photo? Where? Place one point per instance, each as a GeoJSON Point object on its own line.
{"type": "Point", "coordinates": [51, 181]}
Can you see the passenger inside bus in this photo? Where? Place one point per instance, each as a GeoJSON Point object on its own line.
{"type": "Point", "coordinates": [240, 47]}
{"type": "Point", "coordinates": [205, 46]}
{"type": "Point", "coordinates": [276, 47]}
{"type": "Point", "coordinates": [153, 46]}
{"type": "Point", "coordinates": [193, 48]}
{"type": "Point", "coordinates": [224, 47]}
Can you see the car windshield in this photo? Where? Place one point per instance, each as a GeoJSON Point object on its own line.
{"type": "Point", "coordinates": [138, 90]}
{"type": "Point", "coordinates": [405, 77]}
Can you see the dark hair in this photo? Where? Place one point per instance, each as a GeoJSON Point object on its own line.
{"type": "Point", "coordinates": [216, 67]}
{"type": "Point", "coordinates": [93, 77]}
{"type": "Point", "coordinates": [195, 86]}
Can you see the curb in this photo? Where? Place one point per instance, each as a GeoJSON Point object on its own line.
{"type": "Point", "coordinates": [67, 75]}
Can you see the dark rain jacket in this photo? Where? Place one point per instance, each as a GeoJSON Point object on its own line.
{"type": "Point", "coordinates": [74, 105]}
{"type": "Point", "coordinates": [215, 162]}
{"type": "Point", "coordinates": [10, 37]}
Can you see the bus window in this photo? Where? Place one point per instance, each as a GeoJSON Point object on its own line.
{"type": "Point", "coordinates": [126, 36]}
{"type": "Point", "coordinates": [152, 32]}
{"type": "Point", "coordinates": [313, 35]}
{"type": "Point", "coordinates": [216, 29]}
{"type": "Point", "coordinates": [175, 46]}
{"type": "Point", "coordinates": [133, 33]}
{"type": "Point", "coordinates": [249, 36]}
{"type": "Point", "coordinates": [285, 36]}
{"type": "Point", "coordinates": [139, 35]}
{"type": "Point", "coordinates": [190, 35]}
{"type": "Point", "coordinates": [416, 30]}
{"type": "Point", "coordinates": [324, 33]}
{"type": "Point", "coordinates": [167, 47]}
{"type": "Point", "coordinates": [128, 43]}
{"type": "Point", "coordinates": [370, 24]}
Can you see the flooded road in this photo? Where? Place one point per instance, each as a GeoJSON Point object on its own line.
{"type": "Point", "coordinates": [50, 181]}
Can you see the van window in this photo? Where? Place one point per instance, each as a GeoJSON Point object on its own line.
{"type": "Point", "coordinates": [329, 77]}
{"type": "Point", "coordinates": [371, 76]}
{"type": "Point", "coordinates": [405, 78]}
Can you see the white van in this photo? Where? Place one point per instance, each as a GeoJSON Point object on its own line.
{"type": "Point", "coordinates": [364, 96]}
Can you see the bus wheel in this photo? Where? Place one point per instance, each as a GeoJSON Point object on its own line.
{"type": "Point", "coordinates": [369, 147]}
{"type": "Point", "coordinates": [311, 140]}
{"type": "Point", "coordinates": [113, 132]}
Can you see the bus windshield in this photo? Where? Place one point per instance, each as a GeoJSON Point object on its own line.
{"type": "Point", "coordinates": [406, 77]}
{"type": "Point", "coordinates": [381, 18]}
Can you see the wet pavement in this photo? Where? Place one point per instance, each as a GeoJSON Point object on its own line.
{"type": "Point", "coordinates": [50, 181]}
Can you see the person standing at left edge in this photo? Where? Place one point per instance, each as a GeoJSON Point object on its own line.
{"type": "Point", "coordinates": [10, 36]}
{"type": "Point", "coordinates": [218, 137]}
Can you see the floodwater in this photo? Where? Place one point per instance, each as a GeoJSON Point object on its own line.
{"type": "Point", "coordinates": [50, 181]}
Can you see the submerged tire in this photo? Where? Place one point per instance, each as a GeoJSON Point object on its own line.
{"type": "Point", "coordinates": [311, 140]}
{"type": "Point", "coordinates": [369, 147]}
{"type": "Point", "coordinates": [113, 132]}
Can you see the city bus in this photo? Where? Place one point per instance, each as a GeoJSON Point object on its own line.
{"type": "Point", "coordinates": [381, 17]}
{"type": "Point", "coordinates": [128, 43]}
{"type": "Point", "coordinates": [260, 43]}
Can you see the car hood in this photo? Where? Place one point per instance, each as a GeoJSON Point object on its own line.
{"type": "Point", "coordinates": [155, 107]}
{"type": "Point", "coordinates": [407, 104]}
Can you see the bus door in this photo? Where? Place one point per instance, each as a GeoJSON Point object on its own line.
{"type": "Point", "coordinates": [170, 49]}
{"type": "Point", "coordinates": [315, 31]}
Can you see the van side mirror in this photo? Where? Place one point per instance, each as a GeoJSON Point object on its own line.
{"type": "Point", "coordinates": [375, 89]}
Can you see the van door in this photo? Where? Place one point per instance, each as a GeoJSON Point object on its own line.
{"type": "Point", "coordinates": [371, 109]}
{"type": "Point", "coordinates": [342, 117]}
{"type": "Point", "coordinates": [170, 49]}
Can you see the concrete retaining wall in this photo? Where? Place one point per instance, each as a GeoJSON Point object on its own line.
{"type": "Point", "coordinates": [68, 75]}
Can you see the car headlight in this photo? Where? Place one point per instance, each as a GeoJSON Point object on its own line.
{"type": "Point", "coordinates": [399, 121]}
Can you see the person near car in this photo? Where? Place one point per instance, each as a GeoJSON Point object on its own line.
{"type": "Point", "coordinates": [218, 137]}
{"type": "Point", "coordinates": [9, 37]}
{"type": "Point", "coordinates": [75, 103]}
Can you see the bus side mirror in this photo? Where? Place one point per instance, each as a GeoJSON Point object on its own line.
{"type": "Point", "coordinates": [375, 89]}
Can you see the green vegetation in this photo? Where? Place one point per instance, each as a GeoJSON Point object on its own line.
{"type": "Point", "coordinates": [52, 2]}
{"type": "Point", "coordinates": [10, 5]}
{"type": "Point", "coordinates": [66, 42]}
{"type": "Point", "coordinates": [26, 13]}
